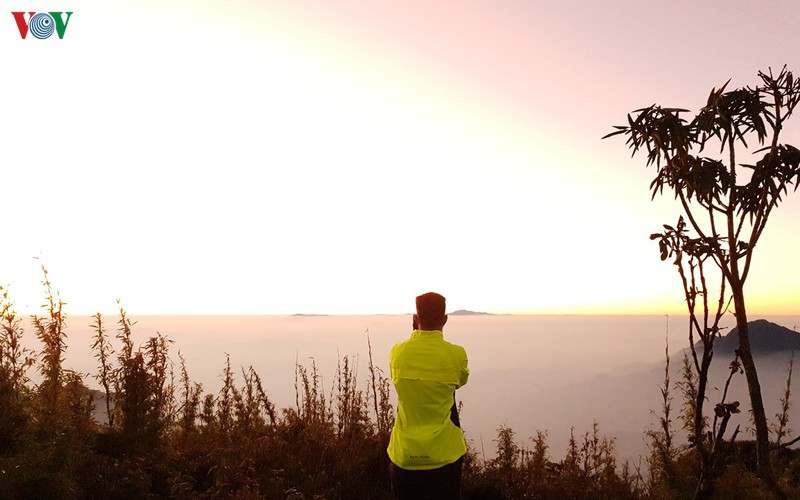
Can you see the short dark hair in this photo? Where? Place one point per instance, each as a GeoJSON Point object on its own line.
{"type": "Point", "coordinates": [430, 307]}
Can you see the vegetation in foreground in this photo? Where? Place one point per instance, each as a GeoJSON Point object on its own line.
{"type": "Point", "coordinates": [164, 436]}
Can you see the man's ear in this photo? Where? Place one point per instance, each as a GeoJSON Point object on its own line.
{"type": "Point", "coordinates": [445, 320]}
{"type": "Point", "coordinates": [415, 322]}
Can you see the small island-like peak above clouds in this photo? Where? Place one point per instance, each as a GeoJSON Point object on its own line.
{"type": "Point", "coordinates": [465, 312]}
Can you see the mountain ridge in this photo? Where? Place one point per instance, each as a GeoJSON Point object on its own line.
{"type": "Point", "coordinates": [765, 338]}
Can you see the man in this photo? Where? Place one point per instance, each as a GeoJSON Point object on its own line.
{"type": "Point", "coordinates": [427, 445]}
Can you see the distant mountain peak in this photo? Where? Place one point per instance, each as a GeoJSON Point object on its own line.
{"type": "Point", "coordinates": [465, 312]}
{"type": "Point", "coordinates": [765, 338]}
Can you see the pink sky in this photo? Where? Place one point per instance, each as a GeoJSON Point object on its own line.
{"type": "Point", "coordinates": [257, 157]}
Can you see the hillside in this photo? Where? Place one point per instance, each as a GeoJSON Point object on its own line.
{"type": "Point", "coordinates": [765, 338]}
{"type": "Point", "coordinates": [623, 401]}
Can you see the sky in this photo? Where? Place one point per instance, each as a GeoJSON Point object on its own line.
{"type": "Point", "coordinates": [279, 157]}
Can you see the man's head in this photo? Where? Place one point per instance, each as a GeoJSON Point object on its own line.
{"type": "Point", "coordinates": [430, 312]}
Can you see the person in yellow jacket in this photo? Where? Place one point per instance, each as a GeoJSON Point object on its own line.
{"type": "Point", "coordinates": [427, 444]}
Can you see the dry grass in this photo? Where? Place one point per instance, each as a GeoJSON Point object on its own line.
{"type": "Point", "coordinates": [166, 437]}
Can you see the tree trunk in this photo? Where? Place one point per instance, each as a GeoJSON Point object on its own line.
{"type": "Point", "coordinates": [704, 486]}
{"type": "Point", "coordinates": [702, 383]}
{"type": "Point", "coordinates": [754, 387]}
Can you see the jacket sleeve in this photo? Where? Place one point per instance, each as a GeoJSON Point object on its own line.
{"type": "Point", "coordinates": [392, 362]}
{"type": "Point", "coordinates": [463, 375]}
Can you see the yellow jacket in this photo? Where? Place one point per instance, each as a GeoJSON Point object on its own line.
{"type": "Point", "coordinates": [426, 371]}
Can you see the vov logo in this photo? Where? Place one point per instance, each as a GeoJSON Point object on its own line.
{"type": "Point", "coordinates": [42, 25]}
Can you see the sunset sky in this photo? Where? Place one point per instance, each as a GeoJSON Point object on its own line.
{"type": "Point", "coordinates": [250, 157]}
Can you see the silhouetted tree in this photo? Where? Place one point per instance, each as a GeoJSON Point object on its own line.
{"type": "Point", "coordinates": [727, 203]}
{"type": "Point", "coordinates": [689, 255]}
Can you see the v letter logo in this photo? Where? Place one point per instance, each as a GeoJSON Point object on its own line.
{"type": "Point", "coordinates": [22, 24]}
{"type": "Point", "coordinates": [61, 24]}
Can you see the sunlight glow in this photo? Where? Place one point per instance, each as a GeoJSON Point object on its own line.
{"type": "Point", "coordinates": [267, 157]}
